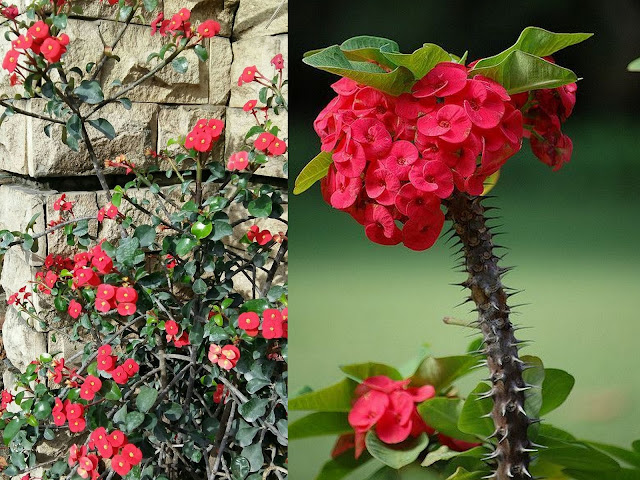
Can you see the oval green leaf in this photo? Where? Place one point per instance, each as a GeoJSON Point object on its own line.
{"type": "Point", "coordinates": [315, 170]}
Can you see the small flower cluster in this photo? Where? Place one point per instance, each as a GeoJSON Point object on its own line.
{"type": "Point", "coordinates": [5, 399]}
{"type": "Point", "coordinates": [71, 412]}
{"type": "Point", "coordinates": [220, 393]}
{"type": "Point", "coordinates": [225, 357]}
{"type": "Point", "coordinates": [270, 144]}
{"type": "Point", "coordinates": [38, 41]}
{"type": "Point", "coordinates": [275, 323]}
{"type": "Point", "coordinates": [108, 363]}
{"type": "Point", "coordinates": [21, 298]}
{"type": "Point", "coordinates": [179, 25]}
{"type": "Point", "coordinates": [544, 113]}
{"type": "Point", "coordinates": [396, 158]}
{"type": "Point", "coordinates": [87, 463]}
{"type": "Point", "coordinates": [238, 161]}
{"type": "Point", "coordinates": [121, 161]}
{"type": "Point", "coordinates": [173, 334]}
{"type": "Point", "coordinates": [10, 13]}
{"type": "Point", "coordinates": [115, 445]}
{"type": "Point", "coordinates": [251, 73]}
{"type": "Point", "coordinates": [110, 297]}
{"type": "Point", "coordinates": [108, 211]}
{"type": "Point", "coordinates": [261, 237]}
{"type": "Point", "coordinates": [204, 134]}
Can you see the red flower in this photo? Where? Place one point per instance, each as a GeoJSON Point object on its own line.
{"type": "Point", "coordinates": [132, 454]}
{"type": "Point", "coordinates": [39, 30]}
{"type": "Point", "coordinates": [372, 134]}
{"type": "Point", "coordinates": [119, 375]}
{"type": "Point", "coordinates": [120, 465]}
{"type": "Point", "coordinates": [10, 62]}
{"type": "Point", "coordinates": [229, 357]}
{"type": "Point", "coordinates": [117, 438]}
{"type": "Point", "coordinates": [250, 105]}
{"type": "Point", "coordinates": [450, 123]}
{"type": "Point", "coordinates": [103, 306]}
{"type": "Point", "coordinates": [10, 12]}
{"type": "Point", "coordinates": [252, 232]}
{"type": "Point", "coordinates": [171, 328]}
{"type": "Point", "coordinates": [106, 363]}
{"type": "Point", "coordinates": [77, 425]}
{"type": "Point", "coordinates": [74, 410]}
{"type": "Point", "coordinates": [104, 350]}
{"type": "Point", "coordinates": [126, 309]}
{"type": "Point", "coordinates": [381, 227]}
{"type": "Point", "coordinates": [131, 367]}
{"type": "Point", "coordinates": [23, 42]}
{"type": "Point", "coordinates": [90, 387]}
{"type": "Point", "coordinates": [249, 322]}
{"type": "Point", "coordinates": [433, 176]}
{"type": "Point", "coordinates": [272, 324]}
{"type": "Point", "coordinates": [263, 141]}
{"type": "Point", "coordinates": [85, 276]}
{"type": "Point", "coordinates": [105, 449]}
{"type": "Point", "coordinates": [264, 237]}
{"type": "Point", "coordinates": [248, 75]}
{"type": "Point", "coordinates": [105, 291]}
{"type": "Point", "coordinates": [87, 466]}
{"type": "Point", "coordinates": [238, 161]}
{"type": "Point", "coordinates": [51, 49]}
{"type": "Point", "coordinates": [74, 309]}
{"type": "Point", "coordinates": [209, 28]}
{"type": "Point", "coordinates": [219, 393]}
{"type": "Point", "coordinates": [278, 62]}
{"type": "Point", "coordinates": [75, 453]}
{"type": "Point", "coordinates": [127, 295]}
{"type": "Point", "coordinates": [183, 341]}
{"type": "Point", "coordinates": [277, 147]}
{"type": "Point", "coordinates": [444, 79]}
{"type": "Point", "coordinates": [155, 23]}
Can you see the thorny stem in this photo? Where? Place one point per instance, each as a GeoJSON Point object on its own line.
{"type": "Point", "coordinates": [500, 345]}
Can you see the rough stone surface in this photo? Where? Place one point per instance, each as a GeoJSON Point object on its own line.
{"type": "Point", "coordinates": [85, 205]}
{"type": "Point", "coordinates": [175, 122]}
{"type": "Point", "coordinates": [65, 347]}
{"type": "Point", "coordinates": [220, 58]}
{"type": "Point", "coordinates": [21, 342]}
{"type": "Point", "coordinates": [135, 131]}
{"type": "Point", "coordinates": [244, 285]}
{"type": "Point", "coordinates": [222, 11]}
{"type": "Point", "coordinates": [255, 18]}
{"type": "Point", "coordinates": [13, 137]}
{"type": "Point", "coordinates": [256, 51]}
{"type": "Point", "coordinates": [18, 205]}
{"type": "Point", "coordinates": [239, 122]}
{"type": "Point", "coordinates": [168, 86]}
{"type": "Point", "coordinates": [92, 9]}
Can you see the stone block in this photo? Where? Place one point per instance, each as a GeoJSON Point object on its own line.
{"type": "Point", "coordinates": [222, 11]}
{"type": "Point", "coordinates": [13, 137]}
{"type": "Point", "coordinates": [92, 9]}
{"type": "Point", "coordinates": [256, 18]}
{"type": "Point", "coordinates": [167, 86]}
{"type": "Point", "coordinates": [243, 284]}
{"type": "Point", "coordinates": [239, 122]}
{"type": "Point", "coordinates": [175, 122]}
{"type": "Point", "coordinates": [256, 51]}
{"type": "Point", "coordinates": [22, 343]}
{"type": "Point", "coordinates": [65, 348]}
{"type": "Point", "coordinates": [136, 130]}
{"type": "Point", "coordinates": [18, 205]}
{"type": "Point", "coordinates": [220, 58]}
{"type": "Point", "coordinates": [85, 205]}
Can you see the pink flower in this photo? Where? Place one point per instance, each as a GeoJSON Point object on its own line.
{"type": "Point", "coordinates": [238, 161]}
{"type": "Point", "coordinates": [208, 29]}
{"type": "Point", "coordinates": [278, 62]}
{"type": "Point", "coordinates": [450, 123]}
{"type": "Point", "coordinates": [484, 107]}
{"type": "Point", "coordinates": [433, 176]}
{"type": "Point", "coordinates": [444, 79]}
{"type": "Point", "coordinates": [380, 226]}
{"type": "Point", "coordinates": [372, 135]}
{"type": "Point", "coordinates": [250, 105]}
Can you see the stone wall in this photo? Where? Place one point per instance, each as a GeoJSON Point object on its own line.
{"type": "Point", "coordinates": [35, 169]}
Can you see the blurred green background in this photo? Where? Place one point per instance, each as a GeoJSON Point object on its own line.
{"type": "Point", "coordinates": [573, 235]}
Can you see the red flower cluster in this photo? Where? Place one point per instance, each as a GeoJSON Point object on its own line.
{"type": "Point", "coordinates": [110, 297]}
{"type": "Point", "coordinates": [5, 399]}
{"type": "Point", "coordinates": [121, 161]}
{"type": "Point", "coordinates": [87, 463]}
{"type": "Point", "coordinates": [39, 41]}
{"type": "Point", "coordinates": [270, 144]}
{"type": "Point", "coordinates": [389, 406]}
{"type": "Point", "coordinates": [396, 158]}
{"type": "Point", "coordinates": [262, 237]}
{"type": "Point", "coordinates": [204, 134]}
{"type": "Point", "coordinates": [275, 323]}
{"type": "Point", "coordinates": [108, 211]}
{"type": "Point", "coordinates": [109, 363]}
{"type": "Point", "coordinates": [20, 298]}
{"type": "Point", "coordinates": [10, 12]}
{"type": "Point", "coordinates": [62, 205]}
{"type": "Point", "coordinates": [220, 393]}
{"type": "Point", "coordinates": [225, 357]}
{"type": "Point", "coordinates": [544, 112]}
{"type": "Point", "coordinates": [61, 371]}
{"type": "Point", "coordinates": [238, 161]}
{"type": "Point", "coordinates": [72, 412]}
{"type": "Point", "coordinates": [115, 445]}
{"type": "Point", "coordinates": [173, 333]}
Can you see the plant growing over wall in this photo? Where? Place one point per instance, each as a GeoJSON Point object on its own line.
{"type": "Point", "coordinates": [177, 375]}
{"type": "Point", "coordinates": [409, 142]}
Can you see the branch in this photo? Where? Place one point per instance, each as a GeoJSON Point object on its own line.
{"type": "Point", "coordinates": [30, 114]}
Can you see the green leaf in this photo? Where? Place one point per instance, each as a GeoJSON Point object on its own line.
{"type": "Point", "coordinates": [578, 457]}
{"type": "Point", "coordinates": [315, 170]}
{"type": "Point", "coordinates": [398, 455]}
{"type": "Point", "coordinates": [366, 48]}
{"type": "Point", "coordinates": [261, 207]}
{"type": "Point", "coordinates": [462, 474]}
{"type": "Point", "coordinates": [632, 458]}
{"type": "Point", "coordinates": [11, 430]}
{"type": "Point", "coordinates": [201, 52]}
{"type": "Point", "coordinates": [104, 127]}
{"type": "Point", "coordinates": [520, 72]}
{"type": "Point", "coordinates": [336, 398]}
{"type": "Point", "coordinates": [150, 5]}
{"type": "Point", "coordinates": [556, 387]}
{"type": "Point", "coordinates": [133, 420]}
{"type": "Point", "coordinates": [410, 472]}
{"type": "Point", "coordinates": [146, 398]}
{"type": "Point", "coordinates": [537, 41]}
{"type": "Point", "coordinates": [185, 245]}
{"type": "Point", "coordinates": [201, 230]}
{"type": "Point", "coordinates": [222, 229]}
{"type": "Point", "coordinates": [634, 66]}
{"type": "Point", "coordinates": [341, 466]}
{"type": "Point", "coordinates": [445, 453]}
{"type": "Point", "coordinates": [421, 61]}
{"type": "Point", "coordinates": [253, 409]}
{"type": "Point", "coordinates": [240, 467]}
{"type": "Point", "coordinates": [473, 417]}
{"type": "Point", "coordinates": [333, 59]}
{"type": "Point", "coordinates": [533, 376]}
{"type": "Point", "coordinates": [362, 371]}
{"type": "Point", "coordinates": [89, 92]}
{"type": "Point", "coordinates": [60, 21]}
{"type": "Point", "coordinates": [442, 413]}
{"type": "Point", "coordinates": [441, 372]}
{"type": "Point", "coordinates": [113, 391]}
{"type": "Point", "coordinates": [199, 287]}
{"type": "Point", "coordinates": [146, 234]}
{"type": "Point", "coordinates": [180, 64]}
{"type": "Point", "coordinates": [42, 410]}
{"type": "Point", "coordinates": [319, 424]}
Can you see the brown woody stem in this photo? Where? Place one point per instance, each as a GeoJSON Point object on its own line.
{"type": "Point", "coordinates": [500, 345]}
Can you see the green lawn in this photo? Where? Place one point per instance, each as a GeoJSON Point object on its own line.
{"type": "Point", "coordinates": [573, 236]}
